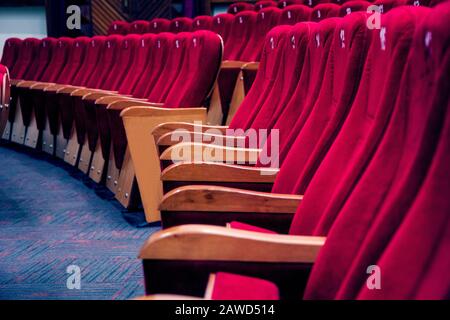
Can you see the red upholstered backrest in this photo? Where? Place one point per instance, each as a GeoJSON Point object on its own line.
{"type": "Point", "coordinates": [92, 62]}
{"type": "Point", "coordinates": [364, 127]}
{"type": "Point", "coordinates": [264, 4]}
{"type": "Point", "coordinates": [353, 6]}
{"type": "Point", "coordinates": [140, 27]}
{"type": "Point", "coordinates": [242, 29]}
{"type": "Point", "coordinates": [271, 62]}
{"type": "Point", "coordinates": [290, 118]}
{"type": "Point", "coordinates": [266, 19]}
{"type": "Point", "coordinates": [174, 62]}
{"type": "Point", "coordinates": [386, 5]}
{"type": "Point", "coordinates": [240, 6]}
{"type": "Point", "coordinates": [301, 156]}
{"type": "Point", "coordinates": [325, 10]}
{"type": "Point", "coordinates": [222, 25]}
{"type": "Point", "coordinates": [11, 52]}
{"type": "Point", "coordinates": [27, 53]}
{"type": "Point", "coordinates": [60, 54]}
{"type": "Point", "coordinates": [399, 170]}
{"type": "Point", "coordinates": [286, 3]}
{"type": "Point", "coordinates": [74, 61]}
{"type": "Point", "coordinates": [417, 3]}
{"type": "Point", "coordinates": [124, 57]}
{"type": "Point", "coordinates": [202, 23]}
{"type": "Point", "coordinates": [199, 71]}
{"type": "Point", "coordinates": [141, 57]}
{"type": "Point", "coordinates": [159, 25]}
{"type": "Point", "coordinates": [108, 58]}
{"type": "Point", "coordinates": [181, 24]}
{"type": "Point", "coordinates": [157, 62]}
{"type": "Point", "coordinates": [313, 3]}
{"type": "Point", "coordinates": [42, 59]}
{"type": "Point", "coordinates": [294, 14]}
{"type": "Point", "coordinates": [119, 27]}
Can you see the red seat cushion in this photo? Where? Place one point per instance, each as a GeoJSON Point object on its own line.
{"type": "Point", "coordinates": [229, 286]}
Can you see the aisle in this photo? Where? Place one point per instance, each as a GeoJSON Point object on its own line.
{"type": "Point", "coordinates": [51, 218]}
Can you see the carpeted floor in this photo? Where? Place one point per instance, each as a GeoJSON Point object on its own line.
{"type": "Point", "coordinates": [52, 217]}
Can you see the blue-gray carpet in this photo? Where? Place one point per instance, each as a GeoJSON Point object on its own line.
{"type": "Point", "coordinates": [51, 218]}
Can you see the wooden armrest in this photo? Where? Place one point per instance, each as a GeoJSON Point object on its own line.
{"type": "Point", "coordinates": [139, 122]}
{"type": "Point", "coordinates": [168, 127]}
{"type": "Point", "coordinates": [127, 103]}
{"type": "Point", "coordinates": [24, 83]}
{"type": "Point", "coordinates": [41, 85]}
{"type": "Point", "coordinates": [217, 138]}
{"type": "Point", "coordinates": [206, 243]}
{"type": "Point", "coordinates": [195, 152]}
{"type": "Point", "coordinates": [68, 89]}
{"type": "Point", "coordinates": [93, 96]}
{"type": "Point", "coordinates": [250, 66]}
{"type": "Point", "coordinates": [85, 91]}
{"type": "Point", "coordinates": [15, 82]}
{"type": "Point", "coordinates": [230, 64]}
{"type": "Point", "coordinates": [107, 100]}
{"type": "Point", "coordinates": [57, 87]}
{"type": "Point", "coordinates": [218, 172]}
{"type": "Point", "coordinates": [222, 199]}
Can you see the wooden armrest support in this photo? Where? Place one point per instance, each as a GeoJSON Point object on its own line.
{"type": "Point", "coordinates": [211, 243]}
{"type": "Point", "coordinates": [222, 199]}
{"type": "Point", "coordinates": [127, 103]}
{"type": "Point", "coordinates": [107, 100]}
{"type": "Point", "coordinates": [195, 152]}
{"type": "Point", "coordinates": [139, 122]}
{"type": "Point", "coordinates": [218, 172]}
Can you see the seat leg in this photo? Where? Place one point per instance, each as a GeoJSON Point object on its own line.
{"type": "Point", "coordinates": [7, 132]}
{"type": "Point", "coordinates": [72, 149]}
{"type": "Point", "coordinates": [126, 183]}
{"type": "Point", "coordinates": [112, 174]}
{"type": "Point", "coordinates": [61, 143]}
{"type": "Point", "coordinates": [85, 157]}
{"type": "Point", "coordinates": [98, 164]}
{"type": "Point", "coordinates": [215, 114]}
{"type": "Point", "coordinates": [237, 98]}
{"type": "Point", "coordinates": [32, 133]}
{"type": "Point", "coordinates": [18, 129]}
{"type": "Point", "coordinates": [48, 140]}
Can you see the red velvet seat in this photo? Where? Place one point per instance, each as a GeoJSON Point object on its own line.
{"type": "Point", "coordinates": [265, 4]}
{"type": "Point", "coordinates": [11, 52]}
{"type": "Point", "coordinates": [386, 5]}
{"type": "Point", "coordinates": [240, 6]}
{"type": "Point", "coordinates": [202, 23]}
{"type": "Point", "coordinates": [352, 6]}
{"type": "Point", "coordinates": [27, 53]}
{"type": "Point", "coordinates": [182, 24]}
{"type": "Point", "coordinates": [242, 29]}
{"type": "Point", "coordinates": [324, 10]}
{"type": "Point", "coordinates": [294, 14]}
{"type": "Point", "coordinates": [119, 27]}
{"type": "Point", "coordinates": [159, 25]}
{"type": "Point", "coordinates": [140, 27]}
{"type": "Point", "coordinates": [222, 25]}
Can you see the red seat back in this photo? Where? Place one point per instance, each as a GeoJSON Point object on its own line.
{"type": "Point", "coordinates": [11, 52]}
{"type": "Point", "coordinates": [92, 62]}
{"type": "Point", "coordinates": [199, 71]}
{"type": "Point", "coordinates": [77, 53]}
{"type": "Point", "coordinates": [159, 25]}
{"type": "Point", "coordinates": [266, 19]}
{"type": "Point", "coordinates": [353, 6]}
{"type": "Point", "coordinates": [182, 24]}
{"type": "Point", "coordinates": [42, 59]}
{"type": "Point", "coordinates": [285, 3]}
{"type": "Point", "coordinates": [27, 53]}
{"type": "Point", "coordinates": [294, 14]}
{"type": "Point", "coordinates": [60, 54]}
{"type": "Point", "coordinates": [386, 5]}
{"type": "Point", "coordinates": [325, 10]}
{"type": "Point", "coordinates": [222, 25]}
{"type": "Point", "coordinates": [239, 7]}
{"type": "Point", "coordinates": [119, 27]}
{"type": "Point", "coordinates": [264, 4]}
{"type": "Point", "coordinates": [140, 27]}
{"type": "Point", "coordinates": [202, 23]}
{"type": "Point", "coordinates": [242, 29]}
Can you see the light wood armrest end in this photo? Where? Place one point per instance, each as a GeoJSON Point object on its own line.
{"type": "Point", "coordinates": [212, 243]}
{"type": "Point", "coordinates": [218, 172]}
{"type": "Point", "coordinates": [221, 199]}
